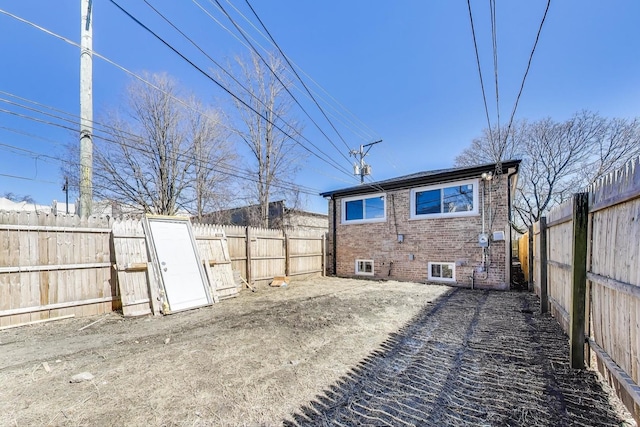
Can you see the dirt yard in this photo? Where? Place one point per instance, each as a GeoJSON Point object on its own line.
{"type": "Point", "coordinates": [320, 352]}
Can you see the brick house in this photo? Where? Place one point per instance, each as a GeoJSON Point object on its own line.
{"type": "Point", "coordinates": [447, 226]}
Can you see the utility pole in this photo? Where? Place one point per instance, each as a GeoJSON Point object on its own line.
{"type": "Point", "coordinates": [361, 168]}
{"type": "Point", "coordinates": [86, 109]}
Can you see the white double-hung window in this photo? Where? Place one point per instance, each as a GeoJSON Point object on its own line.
{"type": "Point", "coordinates": [361, 209]}
{"type": "Point", "coordinates": [445, 200]}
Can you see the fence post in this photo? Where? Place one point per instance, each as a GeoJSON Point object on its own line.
{"type": "Point", "coordinates": [247, 235]}
{"type": "Point", "coordinates": [544, 296]}
{"type": "Point", "coordinates": [324, 255]}
{"type": "Point", "coordinates": [579, 280]}
{"type": "Point", "coordinates": [287, 254]}
{"type": "Point", "coordinates": [530, 256]}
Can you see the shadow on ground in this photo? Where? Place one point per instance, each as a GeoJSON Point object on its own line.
{"type": "Point", "coordinates": [472, 358]}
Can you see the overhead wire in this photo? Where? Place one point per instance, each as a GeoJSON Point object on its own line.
{"type": "Point", "coordinates": [526, 73]}
{"type": "Point", "coordinates": [366, 132]}
{"type": "Point", "coordinates": [179, 156]}
{"type": "Point", "coordinates": [190, 40]}
{"type": "Point", "coordinates": [275, 44]}
{"type": "Point", "coordinates": [145, 81]}
{"type": "Point", "coordinates": [102, 57]}
{"type": "Point", "coordinates": [475, 45]}
{"type": "Point", "coordinates": [223, 169]}
{"type": "Point", "coordinates": [97, 55]}
{"type": "Point", "coordinates": [296, 74]}
{"type": "Point", "coordinates": [227, 90]}
{"type": "Point", "coordinates": [494, 42]}
{"type": "Point", "coordinates": [284, 86]}
{"type": "Point", "coordinates": [24, 178]}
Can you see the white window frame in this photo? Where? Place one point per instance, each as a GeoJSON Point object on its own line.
{"type": "Point", "coordinates": [364, 273]}
{"type": "Point", "coordinates": [451, 265]}
{"type": "Point", "coordinates": [472, 212]}
{"type": "Point", "coordinates": [363, 197]}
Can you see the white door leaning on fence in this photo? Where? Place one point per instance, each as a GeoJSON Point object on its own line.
{"type": "Point", "coordinates": [178, 261]}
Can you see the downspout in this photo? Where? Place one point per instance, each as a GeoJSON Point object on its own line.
{"type": "Point", "coordinates": [335, 237]}
{"type": "Point", "coordinates": [484, 249]}
{"type": "Point", "coordinates": [509, 220]}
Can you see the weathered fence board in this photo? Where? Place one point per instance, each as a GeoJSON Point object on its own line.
{"type": "Point", "coordinates": [237, 244]}
{"type": "Point", "coordinates": [133, 268]}
{"type": "Point", "coordinates": [305, 253]}
{"type": "Point", "coordinates": [214, 251]}
{"type": "Point", "coordinates": [612, 275]}
{"type": "Point", "coordinates": [53, 266]}
{"type": "Point", "coordinates": [261, 254]}
{"type": "Point", "coordinates": [559, 261]}
{"type": "Point", "coordinates": [616, 276]}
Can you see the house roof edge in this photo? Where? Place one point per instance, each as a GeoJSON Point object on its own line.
{"type": "Point", "coordinates": [421, 178]}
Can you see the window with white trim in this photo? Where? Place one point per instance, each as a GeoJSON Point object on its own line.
{"type": "Point", "coordinates": [370, 208]}
{"type": "Point", "coordinates": [445, 200]}
{"type": "Point", "coordinates": [364, 267]}
{"type": "Point", "coordinates": [442, 271]}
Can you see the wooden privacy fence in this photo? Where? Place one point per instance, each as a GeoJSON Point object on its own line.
{"type": "Point", "coordinates": [261, 254]}
{"type": "Point", "coordinates": [57, 266]}
{"type": "Point", "coordinates": [587, 272]}
{"type": "Point", "coordinates": [54, 266]}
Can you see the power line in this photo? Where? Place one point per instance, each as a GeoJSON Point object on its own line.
{"type": "Point", "coordinates": [227, 90]}
{"type": "Point", "coordinates": [71, 42]}
{"type": "Point", "coordinates": [223, 169]}
{"type": "Point", "coordinates": [494, 40]}
{"type": "Point", "coordinates": [124, 137]}
{"type": "Point", "coordinates": [24, 178]}
{"type": "Point", "coordinates": [475, 45]}
{"type": "Point", "coordinates": [98, 55]}
{"type": "Point", "coordinates": [235, 24]}
{"type": "Point", "coordinates": [362, 128]}
{"type": "Point", "coordinates": [292, 68]}
{"type": "Point", "coordinates": [365, 131]}
{"type": "Point", "coordinates": [526, 73]}
{"type": "Point", "coordinates": [296, 73]}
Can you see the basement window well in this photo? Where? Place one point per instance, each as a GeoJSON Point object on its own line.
{"type": "Point", "coordinates": [364, 267]}
{"type": "Point", "coordinates": [442, 271]}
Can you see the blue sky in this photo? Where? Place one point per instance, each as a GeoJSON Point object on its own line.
{"type": "Point", "coordinates": [406, 69]}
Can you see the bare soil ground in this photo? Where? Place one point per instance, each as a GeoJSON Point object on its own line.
{"type": "Point", "coordinates": [320, 352]}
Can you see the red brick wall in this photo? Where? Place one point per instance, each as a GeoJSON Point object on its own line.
{"type": "Point", "coordinates": [427, 240]}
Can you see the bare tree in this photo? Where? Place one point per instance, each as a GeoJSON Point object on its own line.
{"type": "Point", "coordinates": [162, 152]}
{"type": "Point", "coordinates": [265, 126]}
{"type": "Point", "coordinates": [213, 160]}
{"type": "Point", "coordinates": [558, 158]}
{"type": "Point", "coordinates": [493, 146]}
{"type": "Point", "coordinates": [19, 198]}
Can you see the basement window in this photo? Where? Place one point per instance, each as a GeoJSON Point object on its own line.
{"type": "Point", "coordinates": [364, 267]}
{"type": "Point", "coordinates": [445, 200]}
{"type": "Point", "coordinates": [442, 271]}
{"type": "Point", "coordinates": [371, 208]}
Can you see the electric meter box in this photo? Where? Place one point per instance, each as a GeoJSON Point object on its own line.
{"type": "Point", "coordinates": [483, 240]}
